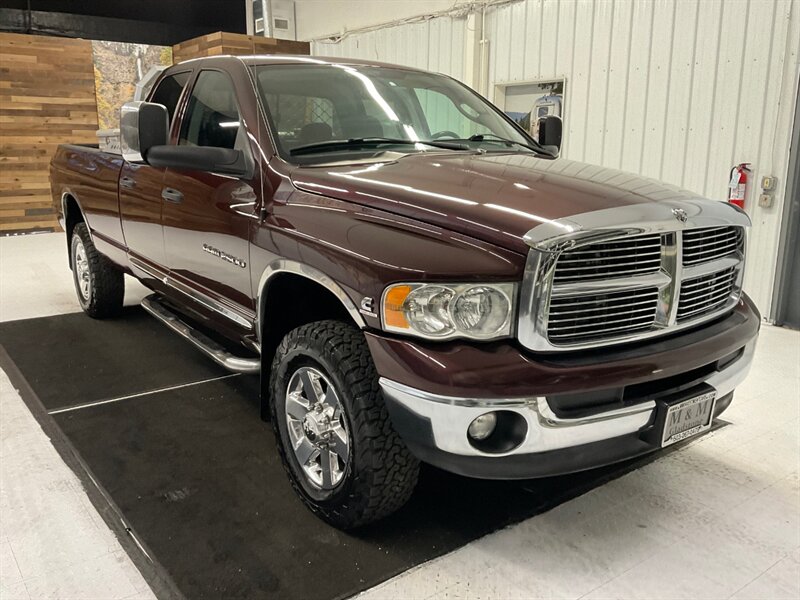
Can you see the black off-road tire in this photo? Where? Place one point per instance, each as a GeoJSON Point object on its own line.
{"type": "Point", "coordinates": [381, 473]}
{"type": "Point", "coordinates": [106, 283]}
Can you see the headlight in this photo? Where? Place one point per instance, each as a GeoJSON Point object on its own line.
{"type": "Point", "coordinates": [443, 311]}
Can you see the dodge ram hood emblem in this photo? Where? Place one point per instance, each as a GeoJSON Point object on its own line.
{"type": "Point", "coordinates": [680, 214]}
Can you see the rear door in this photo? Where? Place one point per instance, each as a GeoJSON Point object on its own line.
{"type": "Point", "coordinates": [207, 216]}
{"type": "Point", "coordinates": [140, 186]}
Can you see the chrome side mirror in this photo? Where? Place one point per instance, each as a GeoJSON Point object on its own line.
{"type": "Point", "coordinates": [142, 125]}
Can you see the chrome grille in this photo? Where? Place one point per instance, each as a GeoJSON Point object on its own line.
{"type": "Point", "coordinates": [619, 258]}
{"type": "Point", "coordinates": [630, 282]}
{"type": "Point", "coordinates": [705, 245]}
{"type": "Point", "coordinates": [705, 294]}
{"type": "Point", "coordinates": [584, 318]}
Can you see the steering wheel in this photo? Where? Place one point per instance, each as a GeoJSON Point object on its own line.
{"type": "Point", "coordinates": [446, 132]}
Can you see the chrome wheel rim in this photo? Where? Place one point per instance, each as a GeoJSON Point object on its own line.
{"type": "Point", "coordinates": [317, 428]}
{"type": "Point", "coordinates": [82, 270]}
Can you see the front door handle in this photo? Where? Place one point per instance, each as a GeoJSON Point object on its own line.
{"type": "Point", "coordinates": [127, 182]}
{"type": "Point", "coordinates": [172, 195]}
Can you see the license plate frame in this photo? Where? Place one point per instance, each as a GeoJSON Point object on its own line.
{"type": "Point", "coordinates": [704, 404]}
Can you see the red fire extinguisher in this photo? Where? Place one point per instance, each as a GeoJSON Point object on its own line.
{"type": "Point", "coordinates": [737, 186]}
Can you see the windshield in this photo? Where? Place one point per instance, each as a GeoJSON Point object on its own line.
{"type": "Point", "coordinates": [312, 107]}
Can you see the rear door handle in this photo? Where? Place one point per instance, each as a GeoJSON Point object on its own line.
{"type": "Point", "coordinates": [127, 182]}
{"type": "Point", "coordinates": [172, 195]}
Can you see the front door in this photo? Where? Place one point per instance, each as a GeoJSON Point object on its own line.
{"type": "Point", "coordinates": [140, 185]}
{"type": "Point", "coordinates": [207, 216]}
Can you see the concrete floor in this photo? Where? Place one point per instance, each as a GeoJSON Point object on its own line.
{"type": "Point", "coordinates": [719, 518]}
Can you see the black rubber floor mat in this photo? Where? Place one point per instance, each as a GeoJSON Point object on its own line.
{"type": "Point", "coordinates": [72, 359]}
{"type": "Point", "coordinates": [196, 474]}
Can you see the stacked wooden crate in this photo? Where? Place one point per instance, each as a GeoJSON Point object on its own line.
{"type": "Point", "coordinates": [222, 42]}
{"type": "Point", "coordinates": [47, 98]}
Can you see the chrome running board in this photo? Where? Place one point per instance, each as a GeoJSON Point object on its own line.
{"type": "Point", "coordinates": [205, 344]}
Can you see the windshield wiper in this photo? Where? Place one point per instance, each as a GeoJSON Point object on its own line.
{"type": "Point", "coordinates": [333, 145]}
{"type": "Point", "coordinates": [491, 137]}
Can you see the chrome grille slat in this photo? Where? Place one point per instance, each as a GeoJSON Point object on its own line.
{"type": "Point", "coordinates": [605, 260]}
{"type": "Point", "coordinates": [708, 297]}
{"type": "Point", "coordinates": [699, 302]}
{"type": "Point", "coordinates": [608, 308]}
{"type": "Point", "coordinates": [712, 239]}
{"type": "Point", "coordinates": [585, 310]}
{"type": "Point", "coordinates": [573, 276]}
{"type": "Point", "coordinates": [705, 294]}
{"type": "Point", "coordinates": [700, 280]}
{"type": "Point", "coordinates": [707, 280]}
{"type": "Point", "coordinates": [599, 331]}
{"type": "Point", "coordinates": [613, 251]}
{"type": "Point", "coordinates": [627, 321]}
{"type": "Point", "coordinates": [717, 251]}
{"type": "Point", "coordinates": [625, 264]}
{"type": "Point", "coordinates": [704, 291]}
{"type": "Point", "coordinates": [574, 319]}
{"type": "Point", "coordinates": [709, 307]}
{"type": "Point", "coordinates": [712, 232]}
{"type": "Point", "coordinates": [595, 317]}
{"type": "Point", "coordinates": [703, 245]}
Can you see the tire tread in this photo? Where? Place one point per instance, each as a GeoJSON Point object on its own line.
{"type": "Point", "coordinates": [386, 470]}
{"type": "Point", "coordinates": [108, 282]}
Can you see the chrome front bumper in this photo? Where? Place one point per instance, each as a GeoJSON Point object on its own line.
{"type": "Point", "coordinates": [449, 417]}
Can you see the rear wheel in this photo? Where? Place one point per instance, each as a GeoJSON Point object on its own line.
{"type": "Point", "coordinates": [100, 286]}
{"type": "Point", "coordinates": [337, 443]}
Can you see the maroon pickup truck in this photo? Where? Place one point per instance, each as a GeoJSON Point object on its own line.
{"type": "Point", "coordinates": [412, 275]}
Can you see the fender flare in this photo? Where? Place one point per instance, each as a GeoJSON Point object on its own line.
{"type": "Point", "coordinates": [279, 266]}
{"type": "Point", "coordinates": [74, 196]}
{"type": "Point", "coordinates": [69, 193]}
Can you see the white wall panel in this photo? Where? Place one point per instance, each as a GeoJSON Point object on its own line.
{"type": "Point", "coordinates": [598, 80]}
{"type": "Point", "coordinates": [617, 96]}
{"type": "Point", "coordinates": [543, 12]}
{"type": "Point", "coordinates": [638, 77]}
{"type": "Point", "coordinates": [679, 90]}
{"type": "Point", "coordinates": [434, 45]}
{"type": "Point", "coordinates": [680, 101]}
{"type": "Point", "coordinates": [700, 99]}
{"type": "Point", "coordinates": [320, 18]}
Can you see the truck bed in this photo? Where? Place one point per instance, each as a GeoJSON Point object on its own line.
{"type": "Point", "coordinates": [89, 177]}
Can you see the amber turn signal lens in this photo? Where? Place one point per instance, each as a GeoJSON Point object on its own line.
{"type": "Point", "coordinates": [393, 306]}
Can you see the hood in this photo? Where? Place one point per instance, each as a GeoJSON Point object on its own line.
{"type": "Point", "coordinates": [497, 198]}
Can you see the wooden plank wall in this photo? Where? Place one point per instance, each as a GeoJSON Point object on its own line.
{"type": "Point", "coordinates": [47, 98]}
{"type": "Point", "coordinates": [223, 42]}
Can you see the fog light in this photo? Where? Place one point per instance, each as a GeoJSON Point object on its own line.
{"type": "Point", "coordinates": [483, 426]}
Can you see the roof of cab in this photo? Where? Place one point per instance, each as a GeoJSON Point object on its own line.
{"type": "Point", "coordinates": [291, 59]}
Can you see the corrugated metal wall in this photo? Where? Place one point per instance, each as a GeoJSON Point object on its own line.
{"type": "Point", "coordinates": [434, 45]}
{"type": "Point", "coordinates": [679, 90]}
{"type": "Point", "coordinates": [676, 90]}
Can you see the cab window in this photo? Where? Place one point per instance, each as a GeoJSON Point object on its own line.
{"type": "Point", "coordinates": [168, 91]}
{"type": "Point", "coordinates": [212, 115]}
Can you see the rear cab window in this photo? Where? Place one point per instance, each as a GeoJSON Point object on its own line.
{"type": "Point", "coordinates": [168, 91]}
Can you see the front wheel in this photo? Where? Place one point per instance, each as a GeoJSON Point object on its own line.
{"type": "Point", "coordinates": [337, 443]}
{"type": "Point", "coordinates": [99, 285]}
